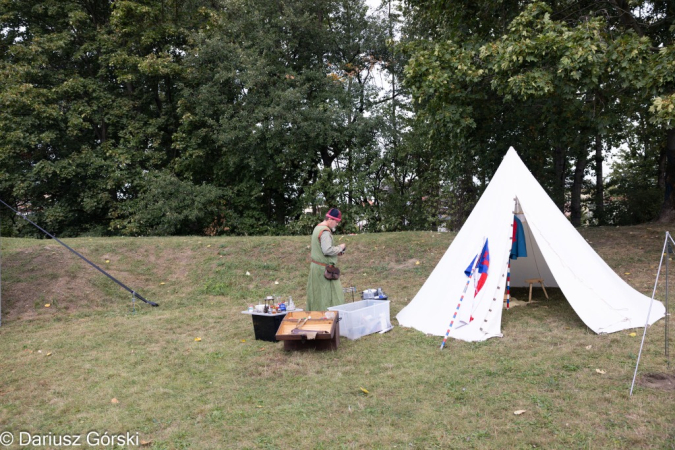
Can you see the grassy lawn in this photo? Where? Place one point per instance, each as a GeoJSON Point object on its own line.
{"type": "Point", "coordinates": [93, 361]}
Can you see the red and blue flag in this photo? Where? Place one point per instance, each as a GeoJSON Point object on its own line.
{"type": "Point", "coordinates": [481, 268]}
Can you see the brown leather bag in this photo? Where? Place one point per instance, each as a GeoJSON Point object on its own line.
{"type": "Point", "coordinates": [331, 273]}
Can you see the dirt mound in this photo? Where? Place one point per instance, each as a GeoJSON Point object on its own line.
{"type": "Point", "coordinates": [409, 264]}
{"type": "Point", "coordinates": [39, 276]}
{"type": "Point", "coordinates": [40, 281]}
{"type": "Point", "coordinates": [658, 381]}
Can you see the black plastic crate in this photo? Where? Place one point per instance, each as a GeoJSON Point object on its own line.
{"type": "Point", "coordinates": [265, 327]}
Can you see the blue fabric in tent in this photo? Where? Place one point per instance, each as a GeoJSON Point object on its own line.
{"type": "Point", "coordinates": [518, 247]}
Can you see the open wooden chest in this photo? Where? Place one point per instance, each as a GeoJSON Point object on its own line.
{"type": "Point", "coordinates": [305, 330]}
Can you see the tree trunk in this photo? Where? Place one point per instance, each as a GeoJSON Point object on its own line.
{"type": "Point", "coordinates": [599, 183]}
{"type": "Point", "coordinates": [575, 207]}
{"type": "Point", "coordinates": [559, 170]}
{"type": "Point", "coordinates": [662, 168]}
{"type": "Point", "coordinates": [668, 207]}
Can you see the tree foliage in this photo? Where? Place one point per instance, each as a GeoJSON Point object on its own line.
{"type": "Point", "coordinates": [560, 81]}
{"type": "Point", "coordinates": [274, 104]}
{"type": "Point", "coordinates": [87, 103]}
{"type": "Point", "coordinates": [254, 116]}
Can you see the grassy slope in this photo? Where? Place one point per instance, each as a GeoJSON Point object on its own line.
{"type": "Point", "coordinates": [60, 367]}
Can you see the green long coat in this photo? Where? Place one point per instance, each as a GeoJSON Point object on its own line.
{"type": "Point", "coordinates": [322, 293]}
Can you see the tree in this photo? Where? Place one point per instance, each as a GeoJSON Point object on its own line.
{"type": "Point", "coordinates": [87, 103]}
{"type": "Point", "coordinates": [576, 69]}
{"type": "Point", "coordinates": [276, 108]}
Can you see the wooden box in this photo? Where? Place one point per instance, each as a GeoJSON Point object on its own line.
{"type": "Point", "coordinates": [305, 330]}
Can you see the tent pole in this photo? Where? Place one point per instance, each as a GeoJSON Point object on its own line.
{"type": "Point", "coordinates": [667, 344]}
{"type": "Point", "coordinates": [669, 251]}
{"type": "Point", "coordinates": [644, 332]}
{"type": "Point", "coordinates": [461, 299]}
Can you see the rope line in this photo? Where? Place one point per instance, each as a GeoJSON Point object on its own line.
{"type": "Point", "coordinates": [505, 273]}
{"type": "Point", "coordinates": [508, 284]}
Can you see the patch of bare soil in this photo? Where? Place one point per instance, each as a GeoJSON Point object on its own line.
{"type": "Point", "coordinates": [513, 302]}
{"type": "Point", "coordinates": [658, 381]}
{"type": "Point", "coordinates": [50, 275]}
{"type": "Point", "coordinates": [167, 265]}
{"type": "Point", "coordinates": [409, 264]}
{"type": "Point", "coordinates": [39, 276]}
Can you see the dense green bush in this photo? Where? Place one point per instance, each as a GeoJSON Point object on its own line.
{"type": "Point", "coordinates": [168, 206]}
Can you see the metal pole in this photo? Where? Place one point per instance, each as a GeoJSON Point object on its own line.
{"type": "Point", "coordinates": [670, 251]}
{"type": "Point", "coordinates": [644, 333]}
{"type": "Point", "coordinates": [80, 256]}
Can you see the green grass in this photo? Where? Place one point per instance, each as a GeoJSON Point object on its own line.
{"type": "Point", "coordinates": [60, 367]}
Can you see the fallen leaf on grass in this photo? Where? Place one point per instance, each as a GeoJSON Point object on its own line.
{"type": "Point", "coordinates": [115, 401]}
{"type": "Point", "coordinates": [258, 406]}
{"type": "Point", "coordinates": [417, 263]}
{"type": "Point", "coordinates": [588, 347]}
{"type": "Point", "coordinates": [519, 412]}
{"type": "Point", "coordinates": [145, 443]}
{"type": "Point", "coordinates": [276, 282]}
{"type": "Point", "coordinates": [208, 246]}
{"type": "Point", "coordinates": [262, 349]}
{"type": "Point", "coordinates": [48, 305]}
{"type": "Point", "coordinates": [107, 261]}
{"type": "Point", "coordinates": [626, 273]}
{"type": "Point", "coordinates": [198, 339]}
{"type": "Point", "coordinates": [248, 274]}
{"type": "Point", "coordinates": [49, 354]}
{"type": "Point", "coordinates": [600, 371]}
{"type": "Point", "coordinates": [162, 283]}
{"type": "Point", "coordinates": [633, 334]}
{"type": "Point", "coordinates": [364, 390]}
{"type": "Point", "coordinates": [243, 340]}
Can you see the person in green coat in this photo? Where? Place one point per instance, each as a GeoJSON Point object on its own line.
{"type": "Point", "coordinates": [321, 292]}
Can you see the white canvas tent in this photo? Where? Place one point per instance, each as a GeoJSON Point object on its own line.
{"type": "Point", "coordinates": [556, 252]}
